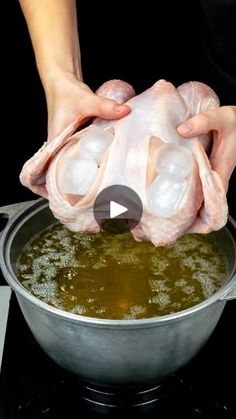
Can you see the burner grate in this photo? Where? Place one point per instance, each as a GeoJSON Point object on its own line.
{"type": "Point", "coordinates": [175, 397]}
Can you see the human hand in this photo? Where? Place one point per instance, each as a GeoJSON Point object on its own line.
{"type": "Point", "coordinates": [68, 98]}
{"type": "Point", "coordinates": [222, 122]}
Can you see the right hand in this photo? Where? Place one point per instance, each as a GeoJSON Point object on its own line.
{"type": "Point", "coordinates": [69, 98]}
{"type": "Point", "coordinates": [222, 122]}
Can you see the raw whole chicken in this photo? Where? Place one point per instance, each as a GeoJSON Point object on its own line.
{"type": "Point", "coordinates": [179, 191]}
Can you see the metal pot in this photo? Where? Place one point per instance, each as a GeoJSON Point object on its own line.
{"type": "Point", "coordinates": [112, 352]}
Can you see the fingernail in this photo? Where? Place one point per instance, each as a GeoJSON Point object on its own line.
{"type": "Point", "coordinates": [184, 128]}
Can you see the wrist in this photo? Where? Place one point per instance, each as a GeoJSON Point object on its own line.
{"type": "Point", "coordinates": [61, 85]}
{"type": "Point", "coordinates": [55, 76]}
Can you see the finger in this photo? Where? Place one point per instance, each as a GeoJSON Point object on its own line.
{"type": "Point", "coordinates": [104, 108]}
{"type": "Point", "coordinates": [219, 119]}
{"type": "Point", "coordinates": [223, 157]}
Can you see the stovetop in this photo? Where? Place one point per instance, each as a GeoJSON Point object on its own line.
{"type": "Point", "coordinates": [33, 387]}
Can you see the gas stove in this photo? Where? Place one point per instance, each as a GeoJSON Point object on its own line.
{"type": "Point", "coordinates": [34, 387]}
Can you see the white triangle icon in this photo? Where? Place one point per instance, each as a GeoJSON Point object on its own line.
{"type": "Point", "coordinates": [116, 209]}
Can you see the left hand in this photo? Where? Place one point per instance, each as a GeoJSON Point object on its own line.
{"type": "Point", "coordinates": [222, 121]}
{"type": "Point", "coordinates": [68, 98]}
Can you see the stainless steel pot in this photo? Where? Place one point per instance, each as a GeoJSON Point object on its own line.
{"type": "Point", "coordinates": [111, 352]}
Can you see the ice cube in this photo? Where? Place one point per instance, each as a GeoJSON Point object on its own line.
{"type": "Point", "coordinates": [165, 194]}
{"type": "Point", "coordinates": [94, 142]}
{"type": "Point", "coordinates": [77, 175]}
{"type": "Point", "coordinates": [174, 159]}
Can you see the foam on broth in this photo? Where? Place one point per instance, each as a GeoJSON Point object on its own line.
{"type": "Point", "coordinates": [112, 276]}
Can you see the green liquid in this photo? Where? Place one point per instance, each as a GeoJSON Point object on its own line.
{"type": "Point", "coordinates": [112, 276]}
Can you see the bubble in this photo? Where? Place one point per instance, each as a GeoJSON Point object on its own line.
{"type": "Point", "coordinates": [47, 292]}
{"type": "Point", "coordinates": [176, 306]}
{"type": "Point", "coordinates": [72, 297]}
{"type": "Point", "coordinates": [90, 300]}
{"type": "Point", "coordinates": [180, 282]}
{"type": "Point", "coordinates": [101, 310]}
{"type": "Point", "coordinates": [78, 309]}
{"type": "Point", "coordinates": [206, 282]}
{"type": "Point", "coordinates": [123, 256]}
{"type": "Point", "coordinates": [159, 264]}
{"type": "Point", "coordinates": [157, 285]}
{"type": "Point", "coordinates": [162, 299]}
{"type": "Point", "coordinates": [191, 262]}
{"type": "Point", "coordinates": [100, 264]}
{"type": "Point", "coordinates": [188, 289]}
{"type": "Point", "coordinates": [134, 312]}
{"type": "Point", "coordinates": [23, 268]}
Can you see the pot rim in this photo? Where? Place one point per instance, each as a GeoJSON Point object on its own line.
{"type": "Point", "coordinates": [31, 208]}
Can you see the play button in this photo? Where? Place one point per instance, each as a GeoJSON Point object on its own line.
{"type": "Point", "coordinates": [116, 209]}
{"type": "Point", "coordinates": [117, 205]}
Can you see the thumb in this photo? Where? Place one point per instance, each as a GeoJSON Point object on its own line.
{"type": "Point", "coordinates": [199, 124]}
{"type": "Point", "coordinates": [218, 119]}
{"type": "Point", "coordinates": [105, 108]}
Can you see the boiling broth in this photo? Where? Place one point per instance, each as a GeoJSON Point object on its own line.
{"type": "Point", "coordinates": [112, 276]}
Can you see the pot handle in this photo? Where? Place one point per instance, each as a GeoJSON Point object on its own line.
{"type": "Point", "coordinates": [230, 294]}
{"type": "Point", "coordinates": [8, 211]}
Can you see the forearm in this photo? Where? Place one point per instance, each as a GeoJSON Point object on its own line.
{"type": "Point", "coordinates": [53, 29]}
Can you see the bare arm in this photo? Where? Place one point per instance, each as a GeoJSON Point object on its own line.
{"type": "Point", "coordinates": [53, 29]}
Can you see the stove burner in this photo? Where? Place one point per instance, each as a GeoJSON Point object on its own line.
{"type": "Point", "coordinates": [174, 397]}
{"type": "Point", "coordinates": [116, 400]}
